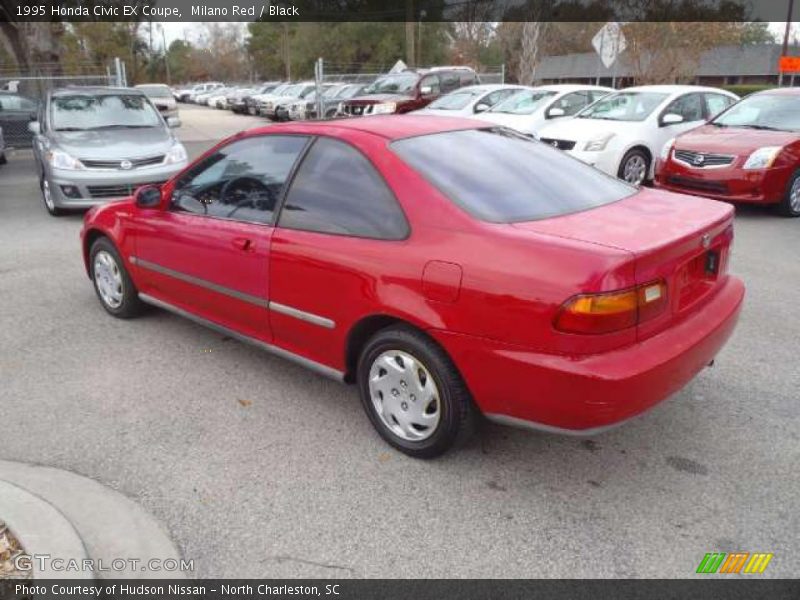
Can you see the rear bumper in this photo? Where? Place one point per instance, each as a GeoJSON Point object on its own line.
{"type": "Point", "coordinates": [585, 394]}
{"type": "Point", "coordinates": [729, 184]}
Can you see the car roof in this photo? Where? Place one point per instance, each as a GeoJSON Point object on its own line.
{"type": "Point", "coordinates": [486, 87]}
{"type": "Point", "coordinates": [568, 87]}
{"type": "Point", "coordinates": [96, 90]}
{"type": "Point", "coordinates": [390, 127]}
{"type": "Point", "coordinates": [672, 89]}
{"type": "Point", "coordinates": [784, 91]}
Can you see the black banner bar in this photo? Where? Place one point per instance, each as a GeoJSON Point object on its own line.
{"type": "Point", "coordinates": [394, 10]}
{"type": "Point", "coordinates": [733, 588]}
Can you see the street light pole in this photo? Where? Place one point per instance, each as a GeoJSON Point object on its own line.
{"type": "Point", "coordinates": [166, 54]}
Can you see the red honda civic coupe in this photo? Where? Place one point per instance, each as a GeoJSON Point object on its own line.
{"type": "Point", "coordinates": [446, 267]}
{"type": "Point", "coordinates": [748, 154]}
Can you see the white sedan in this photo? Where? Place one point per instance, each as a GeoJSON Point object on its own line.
{"type": "Point", "coordinates": [623, 133]}
{"type": "Point", "coordinates": [469, 101]}
{"type": "Point", "coordinates": [529, 110]}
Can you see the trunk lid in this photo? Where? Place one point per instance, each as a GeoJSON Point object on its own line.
{"type": "Point", "coordinates": [684, 240]}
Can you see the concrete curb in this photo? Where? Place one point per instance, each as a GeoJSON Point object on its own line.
{"type": "Point", "coordinates": [111, 526]}
{"type": "Point", "coordinates": [42, 530]}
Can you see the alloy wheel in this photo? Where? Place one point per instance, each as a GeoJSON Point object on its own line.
{"type": "Point", "coordinates": [48, 196]}
{"type": "Point", "coordinates": [794, 196]}
{"type": "Point", "coordinates": [635, 170]}
{"type": "Point", "coordinates": [404, 395]}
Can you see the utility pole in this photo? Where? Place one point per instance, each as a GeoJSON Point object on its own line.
{"type": "Point", "coordinates": [786, 32]}
{"type": "Point", "coordinates": [410, 54]}
{"type": "Point", "coordinates": [286, 52]}
{"type": "Point", "coordinates": [166, 55]}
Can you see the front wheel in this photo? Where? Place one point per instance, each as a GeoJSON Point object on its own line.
{"type": "Point", "coordinates": [634, 167]}
{"type": "Point", "coordinates": [112, 283]}
{"type": "Point", "coordinates": [790, 204]}
{"type": "Point", "coordinates": [413, 393]}
{"type": "Point", "coordinates": [47, 198]}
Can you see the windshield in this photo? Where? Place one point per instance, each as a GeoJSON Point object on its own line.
{"type": "Point", "coordinates": [454, 101]}
{"type": "Point", "coordinates": [332, 91]}
{"type": "Point", "coordinates": [624, 106]}
{"type": "Point", "coordinates": [291, 90]}
{"type": "Point", "coordinates": [763, 111]}
{"type": "Point", "coordinates": [398, 83]}
{"type": "Point", "coordinates": [523, 103]}
{"type": "Point", "coordinates": [156, 91]}
{"type": "Point", "coordinates": [349, 91]}
{"type": "Point", "coordinates": [106, 111]}
{"type": "Point", "coordinates": [273, 89]}
{"type": "Point", "coordinates": [503, 177]}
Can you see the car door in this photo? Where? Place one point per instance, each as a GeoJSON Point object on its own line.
{"type": "Point", "coordinates": [208, 251]}
{"type": "Point", "coordinates": [339, 222]}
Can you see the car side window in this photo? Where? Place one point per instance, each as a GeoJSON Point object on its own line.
{"type": "Point", "coordinates": [241, 181]}
{"type": "Point", "coordinates": [431, 81]}
{"type": "Point", "coordinates": [572, 103]}
{"type": "Point", "coordinates": [716, 103]}
{"type": "Point", "coordinates": [337, 190]}
{"type": "Point", "coordinates": [689, 106]}
{"type": "Point", "coordinates": [496, 96]}
{"type": "Point", "coordinates": [450, 82]}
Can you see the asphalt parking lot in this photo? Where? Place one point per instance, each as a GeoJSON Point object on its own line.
{"type": "Point", "coordinates": [259, 468]}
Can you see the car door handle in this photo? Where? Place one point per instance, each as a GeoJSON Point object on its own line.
{"type": "Point", "coordinates": [243, 244]}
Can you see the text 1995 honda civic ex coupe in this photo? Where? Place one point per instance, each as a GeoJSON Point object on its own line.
{"type": "Point", "coordinates": [447, 267]}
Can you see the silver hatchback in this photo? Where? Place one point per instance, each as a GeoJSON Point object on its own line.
{"type": "Point", "coordinates": [93, 145]}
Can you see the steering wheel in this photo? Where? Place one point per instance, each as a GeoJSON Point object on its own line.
{"type": "Point", "coordinates": [242, 191]}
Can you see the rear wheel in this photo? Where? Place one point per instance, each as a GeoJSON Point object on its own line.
{"type": "Point", "coordinates": [112, 283]}
{"type": "Point", "coordinates": [47, 198]}
{"type": "Point", "coordinates": [634, 167]}
{"type": "Point", "coordinates": [413, 393]}
{"type": "Point", "coordinates": [790, 204]}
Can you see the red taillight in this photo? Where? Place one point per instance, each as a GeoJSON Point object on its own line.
{"type": "Point", "coordinates": [612, 311]}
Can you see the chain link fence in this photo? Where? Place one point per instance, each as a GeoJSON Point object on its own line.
{"type": "Point", "coordinates": [22, 91]}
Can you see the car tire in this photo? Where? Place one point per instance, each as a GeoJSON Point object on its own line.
{"type": "Point", "coordinates": [789, 205]}
{"type": "Point", "coordinates": [112, 283]}
{"type": "Point", "coordinates": [3, 159]}
{"type": "Point", "coordinates": [634, 167]}
{"type": "Point", "coordinates": [47, 198]}
{"type": "Point", "coordinates": [413, 394]}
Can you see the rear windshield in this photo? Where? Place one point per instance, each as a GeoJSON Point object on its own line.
{"type": "Point", "coordinates": [500, 176]}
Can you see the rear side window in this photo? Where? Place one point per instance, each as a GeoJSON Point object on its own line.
{"type": "Point", "coordinates": [500, 176]}
{"type": "Point", "coordinates": [337, 190]}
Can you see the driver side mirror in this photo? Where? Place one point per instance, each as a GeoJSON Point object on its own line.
{"type": "Point", "coordinates": [482, 107]}
{"type": "Point", "coordinates": [671, 119]}
{"type": "Point", "coordinates": [148, 196]}
{"type": "Point", "coordinates": [34, 127]}
{"type": "Point", "coordinates": [555, 112]}
{"type": "Point", "coordinates": [173, 122]}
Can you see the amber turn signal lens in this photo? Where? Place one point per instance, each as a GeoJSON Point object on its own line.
{"type": "Point", "coordinates": [612, 311]}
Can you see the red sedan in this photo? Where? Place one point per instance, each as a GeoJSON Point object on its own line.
{"type": "Point", "coordinates": [446, 267]}
{"type": "Point", "coordinates": [750, 154]}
